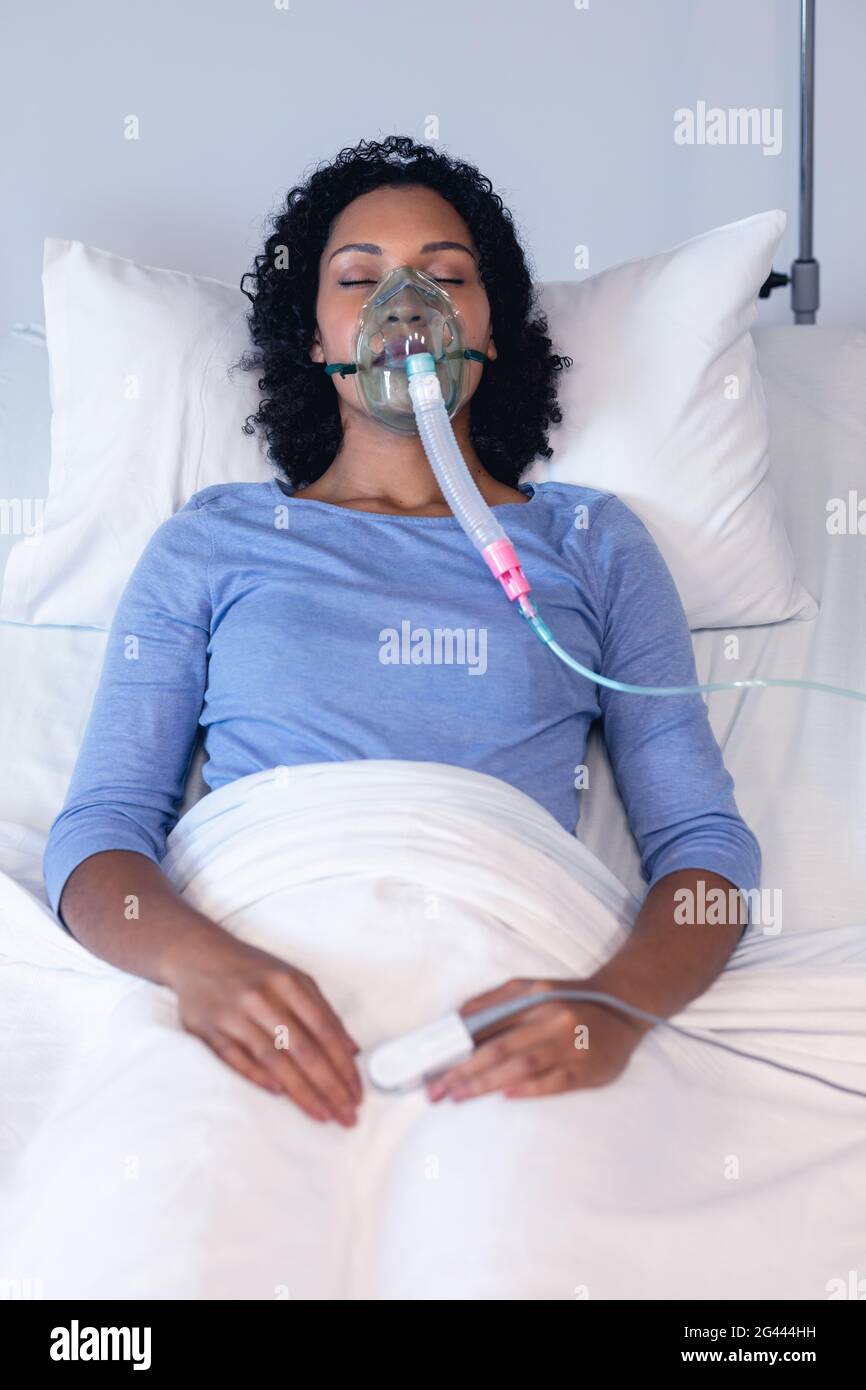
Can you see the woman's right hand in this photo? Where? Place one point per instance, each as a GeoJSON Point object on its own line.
{"type": "Point", "coordinates": [269, 1021]}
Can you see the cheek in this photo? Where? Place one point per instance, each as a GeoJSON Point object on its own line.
{"type": "Point", "coordinates": [345, 325]}
{"type": "Point", "coordinates": [338, 323]}
{"type": "Point", "coordinates": [476, 318]}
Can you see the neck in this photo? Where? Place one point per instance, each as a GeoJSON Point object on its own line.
{"type": "Point", "coordinates": [386, 471]}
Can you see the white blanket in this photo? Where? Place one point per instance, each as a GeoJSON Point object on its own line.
{"type": "Point", "coordinates": [153, 1170]}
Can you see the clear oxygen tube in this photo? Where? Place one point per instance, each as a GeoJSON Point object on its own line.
{"type": "Point", "coordinates": [488, 537]}
{"type": "Point", "coordinates": [458, 489]}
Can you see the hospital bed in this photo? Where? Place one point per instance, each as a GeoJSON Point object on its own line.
{"type": "Point", "coordinates": [798, 758]}
{"type": "Point", "coordinates": [690, 1178]}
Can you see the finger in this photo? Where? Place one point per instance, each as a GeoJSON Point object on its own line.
{"type": "Point", "coordinates": [243, 1032]}
{"type": "Point", "coordinates": [513, 1071]}
{"type": "Point", "coordinates": [513, 989]}
{"type": "Point", "coordinates": [234, 1056]}
{"type": "Point", "coordinates": [548, 1083]}
{"type": "Point", "coordinates": [491, 1054]}
{"type": "Point", "coordinates": [546, 1021]}
{"type": "Point", "coordinates": [272, 1015]}
{"type": "Point", "coordinates": [314, 1011]}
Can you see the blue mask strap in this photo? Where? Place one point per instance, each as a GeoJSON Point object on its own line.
{"type": "Point", "coordinates": [471, 353]}
{"type": "Point", "coordinates": [347, 368]}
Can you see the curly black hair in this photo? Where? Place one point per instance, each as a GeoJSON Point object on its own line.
{"type": "Point", "coordinates": [515, 401]}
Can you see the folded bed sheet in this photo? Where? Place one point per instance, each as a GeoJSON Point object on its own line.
{"type": "Point", "coordinates": [405, 888]}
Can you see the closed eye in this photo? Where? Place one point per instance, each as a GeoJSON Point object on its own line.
{"type": "Point", "coordinates": [439, 280]}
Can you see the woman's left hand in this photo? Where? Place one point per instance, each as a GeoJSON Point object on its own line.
{"type": "Point", "coordinates": [559, 1046]}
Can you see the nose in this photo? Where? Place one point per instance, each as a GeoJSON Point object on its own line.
{"type": "Point", "coordinates": [407, 307]}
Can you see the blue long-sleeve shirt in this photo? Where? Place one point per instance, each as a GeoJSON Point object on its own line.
{"type": "Point", "coordinates": [297, 631]}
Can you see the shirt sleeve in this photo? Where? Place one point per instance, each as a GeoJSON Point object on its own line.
{"type": "Point", "coordinates": [128, 781]}
{"type": "Point", "coordinates": [666, 761]}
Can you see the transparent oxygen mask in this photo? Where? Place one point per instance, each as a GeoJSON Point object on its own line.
{"type": "Point", "coordinates": [409, 313]}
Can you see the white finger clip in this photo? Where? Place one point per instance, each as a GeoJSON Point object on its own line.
{"type": "Point", "coordinates": [404, 1062]}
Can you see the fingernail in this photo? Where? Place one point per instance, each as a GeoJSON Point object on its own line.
{"type": "Point", "coordinates": [347, 1116]}
{"type": "Point", "coordinates": [436, 1090]}
{"type": "Point", "coordinates": [459, 1093]}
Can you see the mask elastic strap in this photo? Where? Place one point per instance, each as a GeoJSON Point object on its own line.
{"type": "Point", "coordinates": [347, 368]}
{"type": "Point", "coordinates": [472, 353]}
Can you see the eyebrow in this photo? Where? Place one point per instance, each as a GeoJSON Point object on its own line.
{"type": "Point", "coordinates": [374, 250]}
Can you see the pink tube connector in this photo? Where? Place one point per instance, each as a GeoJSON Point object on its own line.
{"type": "Point", "coordinates": [503, 563]}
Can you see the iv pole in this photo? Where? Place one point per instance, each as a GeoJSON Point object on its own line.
{"type": "Point", "coordinates": [804, 277]}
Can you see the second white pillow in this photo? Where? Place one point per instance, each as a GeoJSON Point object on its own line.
{"type": "Point", "coordinates": [144, 414]}
{"type": "Point", "coordinates": [665, 407]}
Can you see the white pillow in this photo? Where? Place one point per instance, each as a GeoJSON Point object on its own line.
{"type": "Point", "coordinates": [664, 406]}
{"type": "Point", "coordinates": [143, 415]}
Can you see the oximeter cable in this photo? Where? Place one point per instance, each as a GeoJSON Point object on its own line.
{"type": "Point", "coordinates": [484, 1018]}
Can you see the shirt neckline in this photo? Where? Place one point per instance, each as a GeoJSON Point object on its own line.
{"type": "Point", "coordinates": [531, 488]}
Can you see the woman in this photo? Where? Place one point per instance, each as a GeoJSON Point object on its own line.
{"type": "Point", "coordinates": [258, 610]}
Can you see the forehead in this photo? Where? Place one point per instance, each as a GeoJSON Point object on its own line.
{"type": "Point", "coordinates": [406, 218]}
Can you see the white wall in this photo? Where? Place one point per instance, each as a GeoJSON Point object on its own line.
{"type": "Point", "coordinates": [569, 112]}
